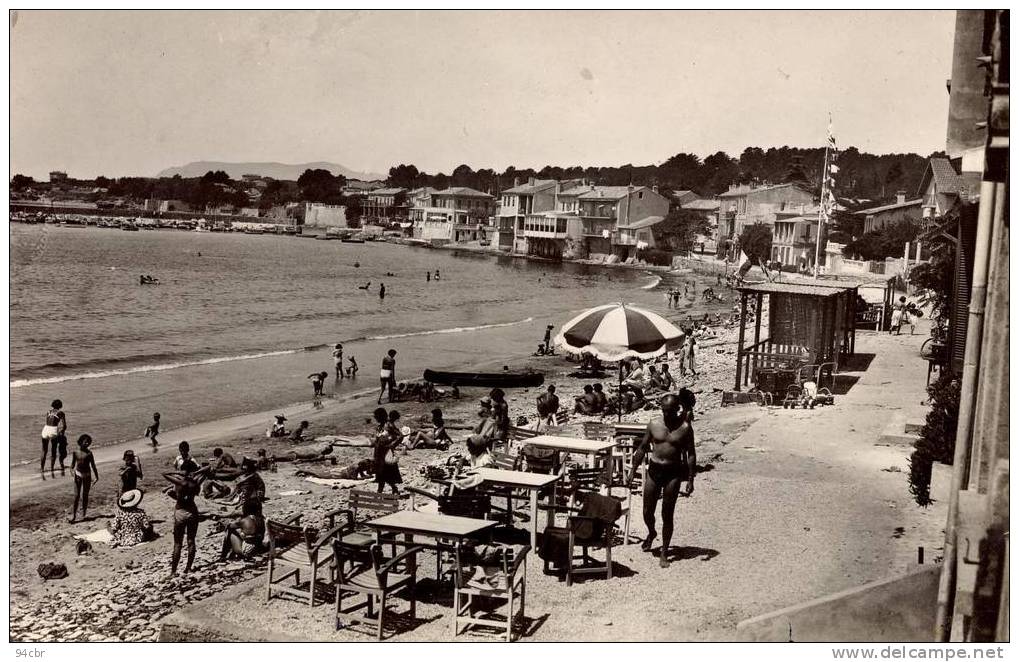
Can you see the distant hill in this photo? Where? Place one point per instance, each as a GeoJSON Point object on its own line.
{"type": "Point", "coordinates": [268, 169]}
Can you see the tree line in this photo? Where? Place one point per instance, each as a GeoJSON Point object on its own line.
{"type": "Point", "coordinates": [862, 177]}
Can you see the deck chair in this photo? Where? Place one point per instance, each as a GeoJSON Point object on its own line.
{"type": "Point", "coordinates": [359, 502]}
{"type": "Point", "coordinates": [366, 571]}
{"type": "Point", "coordinates": [592, 527]}
{"type": "Point", "coordinates": [504, 581]}
{"type": "Point", "coordinates": [293, 549]}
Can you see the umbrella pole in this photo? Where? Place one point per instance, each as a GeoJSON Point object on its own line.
{"type": "Point", "coordinates": [619, 395]}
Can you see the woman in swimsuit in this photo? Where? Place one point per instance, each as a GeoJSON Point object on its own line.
{"type": "Point", "coordinates": [83, 465]}
{"type": "Point", "coordinates": [53, 438]}
{"type": "Point", "coordinates": [185, 514]}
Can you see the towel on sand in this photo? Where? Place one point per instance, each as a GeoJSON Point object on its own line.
{"type": "Point", "coordinates": [102, 535]}
{"type": "Point", "coordinates": [336, 482]}
{"type": "Point", "coordinates": [343, 440]}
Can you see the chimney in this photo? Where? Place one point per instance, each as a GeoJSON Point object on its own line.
{"type": "Point", "coordinates": [655, 188]}
{"type": "Point", "coordinates": [516, 182]}
{"type": "Point", "coordinates": [900, 197]}
{"type": "Point", "coordinates": [530, 181]}
{"type": "Point", "coordinates": [629, 189]}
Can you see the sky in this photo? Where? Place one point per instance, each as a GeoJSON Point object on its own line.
{"type": "Point", "coordinates": [131, 93]}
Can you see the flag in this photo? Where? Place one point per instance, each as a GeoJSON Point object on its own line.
{"type": "Point", "coordinates": [744, 264]}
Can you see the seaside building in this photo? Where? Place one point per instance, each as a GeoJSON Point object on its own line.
{"type": "Point", "coordinates": [58, 177]}
{"type": "Point", "coordinates": [876, 218]}
{"type": "Point", "coordinates": [319, 215]}
{"type": "Point", "coordinates": [747, 204]}
{"type": "Point", "coordinates": [385, 205]}
{"type": "Point", "coordinates": [535, 199]}
{"type": "Point", "coordinates": [794, 236]}
{"type": "Point", "coordinates": [457, 214]}
{"type": "Point", "coordinates": [572, 219]}
{"type": "Point", "coordinates": [707, 209]}
{"type": "Point", "coordinates": [943, 187]}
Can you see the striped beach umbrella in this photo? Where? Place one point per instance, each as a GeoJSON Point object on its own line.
{"type": "Point", "coordinates": [617, 331]}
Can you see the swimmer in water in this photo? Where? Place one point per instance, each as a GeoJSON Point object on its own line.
{"type": "Point", "coordinates": [365, 286]}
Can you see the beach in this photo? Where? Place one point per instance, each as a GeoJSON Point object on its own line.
{"type": "Point", "coordinates": [783, 502]}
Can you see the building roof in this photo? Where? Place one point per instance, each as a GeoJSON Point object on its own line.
{"type": "Point", "coordinates": [883, 208]}
{"type": "Point", "coordinates": [643, 223]}
{"type": "Point", "coordinates": [702, 205]}
{"type": "Point", "coordinates": [537, 186]}
{"type": "Point", "coordinates": [744, 190]}
{"type": "Point", "coordinates": [462, 192]}
{"type": "Point", "coordinates": [610, 192]}
{"type": "Point", "coordinates": [789, 288]}
{"type": "Point", "coordinates": [388, 191]}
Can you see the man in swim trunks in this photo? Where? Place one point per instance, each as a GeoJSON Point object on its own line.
{"type": "Point", "coordinates": [83, 465]}
{"type": "Point", "coordinates": [587, 403]}
{"type": "Point", "coordinates": [387, 376]}
{"type": "Point", "coordinates": [52, 433]}
{"type": "Point", "coordinates": [673, 460]}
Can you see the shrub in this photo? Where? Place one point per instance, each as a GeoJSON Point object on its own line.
{"type": "Point", "coordinates": [937, 437]}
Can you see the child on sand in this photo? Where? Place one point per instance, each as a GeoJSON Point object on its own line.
{"type": "Point", "coordinates": [83, 466]}
{"type": "Point", "coordinates": [130, 472]}
{"type": "Point", "coordinates": [153, 430]}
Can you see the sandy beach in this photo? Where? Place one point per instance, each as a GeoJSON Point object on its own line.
{"type": "Point", "coordinates": [749, 499]}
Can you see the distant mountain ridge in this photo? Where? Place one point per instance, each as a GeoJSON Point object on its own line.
{"type": "Point", "coordinates": [265, 169]}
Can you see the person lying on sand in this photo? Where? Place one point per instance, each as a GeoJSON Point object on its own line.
{"type": "Point", "coordinates": [361, 470]}
{"type": "Point", "coordinates": [311, 453]}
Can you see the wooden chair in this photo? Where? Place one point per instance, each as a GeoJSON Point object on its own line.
{"type": "Point", "coordinates": [476, 505]}
{"type": "Point", "coordinates": [518, 435]}
{"type": "Point", "coordinates": [365, 571]}
{"type": "Point", "coordinates": [587, 531]}
{"type": "Point", "coordinates": [376, 504]}
{"type": "Point", "coordinates": [293, 548]}
{"type": "Point", "coordinates": [512, 581]}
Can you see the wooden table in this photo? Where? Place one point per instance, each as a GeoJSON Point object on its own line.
{"type": "Point", "coordinates": [590, 447]}
{"type": "Point", "coordinates": [430, 525]}
{"type": "Point", "coordinates": [533, 483]}
{"type": "Point", "coordinates": [433, 525]}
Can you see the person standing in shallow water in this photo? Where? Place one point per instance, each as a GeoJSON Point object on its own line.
{"type": "Point", "coordinates": [54, 438]}
{"type": "Point", "coordinates": [387, 375]}
{"type": "Point", "coordinates": [83, 466]}
{"type": "Point", "coordinates": [382, 291]}
{"type": "Point", "coordinates": [673, 459]}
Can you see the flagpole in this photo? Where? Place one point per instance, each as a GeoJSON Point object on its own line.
{"type": "Point", "coordinates": [820, 210]}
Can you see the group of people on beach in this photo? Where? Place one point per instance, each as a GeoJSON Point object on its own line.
{"type": "Point", "coordinates": [130, 524]}
{"type": "Point", "coordinates": [673, 294]}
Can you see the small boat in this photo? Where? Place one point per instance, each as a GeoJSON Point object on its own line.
{"type": "Point", "coordinates": [485, 379]}
{"type": "Point", "coordinates": [129, 227]}
{"type": "Point", "coordinates": [352, 240]}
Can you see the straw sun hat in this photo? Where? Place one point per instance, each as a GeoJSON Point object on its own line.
{"type": "Point", "coordinates": [130, 499]}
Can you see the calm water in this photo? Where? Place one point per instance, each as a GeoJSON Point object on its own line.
{"type": "Point", "coordinates": [239, 321]}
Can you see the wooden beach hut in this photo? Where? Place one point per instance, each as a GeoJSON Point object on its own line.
{"type": "Point", "coordinates": [806, 325]}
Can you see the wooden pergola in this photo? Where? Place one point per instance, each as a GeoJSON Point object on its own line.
{"type": "Point", "coordinates": [807, 325]}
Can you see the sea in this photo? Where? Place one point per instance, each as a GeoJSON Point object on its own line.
{"type": "Point", "coordinates": [238, 322]}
